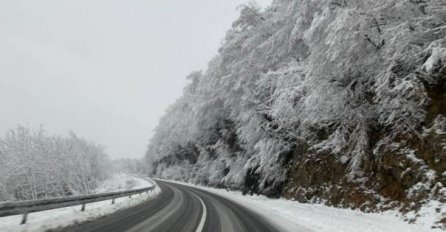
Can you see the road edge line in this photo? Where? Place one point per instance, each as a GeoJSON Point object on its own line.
{"type": "Point", "coordinates": [203, 215]}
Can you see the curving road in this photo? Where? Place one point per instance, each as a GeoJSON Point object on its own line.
{"type": "Point", "coordinates": [180, 208]}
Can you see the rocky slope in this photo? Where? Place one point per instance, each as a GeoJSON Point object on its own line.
{"type": "Point", "coordinates": [334, 101]}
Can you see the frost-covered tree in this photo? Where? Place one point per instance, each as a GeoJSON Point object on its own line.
{"type": "Point", "coordinates": [35, 165]}
{"type": "Point", "coordinates": [351, 86]}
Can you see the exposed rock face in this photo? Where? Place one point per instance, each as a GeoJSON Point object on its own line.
{"type": "Point", "coordinates": [335, 101]}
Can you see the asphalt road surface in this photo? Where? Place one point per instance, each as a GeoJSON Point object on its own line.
{"type": "Point", "coordinates": [180, 208]}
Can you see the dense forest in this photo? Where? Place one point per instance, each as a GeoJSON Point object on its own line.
{"type": "Point", "coordinates": [35, 165]}
{"type": "Point", "coordinates": [334, 101]}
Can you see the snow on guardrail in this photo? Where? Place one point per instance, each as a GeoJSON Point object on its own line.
{"type": "Point", "coordinates": [26, 207]}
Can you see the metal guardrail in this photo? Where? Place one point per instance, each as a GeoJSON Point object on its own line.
{"type": "Point", "coordinates": [26, 207]}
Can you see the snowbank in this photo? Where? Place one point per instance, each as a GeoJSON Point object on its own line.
{"type": "Point", "coordinates": [50, 219]}
{"type": "Point", "coordinates": [293, 216]}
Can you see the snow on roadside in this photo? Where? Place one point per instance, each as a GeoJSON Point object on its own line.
{"type": "Point", "coordinates": [293, 216]}
{"type": "Point", "coordinates": [51, 219]}
{"type": "Point", "coordinates": [121, 182]}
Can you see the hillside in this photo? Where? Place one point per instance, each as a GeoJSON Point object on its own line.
{"type": "Point", "coordinates": [334, 101]}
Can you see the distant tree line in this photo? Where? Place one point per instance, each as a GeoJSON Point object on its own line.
{"type": "Point", "coordinates": [130, 166]}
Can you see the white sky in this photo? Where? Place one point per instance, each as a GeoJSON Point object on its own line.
{"type": "Point", "coordinates": [106, 69]}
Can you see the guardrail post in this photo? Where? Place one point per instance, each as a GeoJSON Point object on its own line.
{"type": "Point", "coordinates": [130, 196]}
{"type": "Point", "coordinates": [83, 207]}
{"type": "Point", "coordinates": [25, 216]}
{"type": "Point", "coordinates": [113, 200]}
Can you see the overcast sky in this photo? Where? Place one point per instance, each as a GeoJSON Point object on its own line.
{"type": "Point", "coordinates": [105, 69]}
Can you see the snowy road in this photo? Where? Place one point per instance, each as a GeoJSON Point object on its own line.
{"type": "Point", "coordinates": [180, 208]}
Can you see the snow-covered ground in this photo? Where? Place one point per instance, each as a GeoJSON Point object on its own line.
{"type": "Point", "coordinates": [293, 216]}
{"type": "Point", "coordinates": [120, 182]}
{"type": "Point", "coordinates": [50, 219]}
